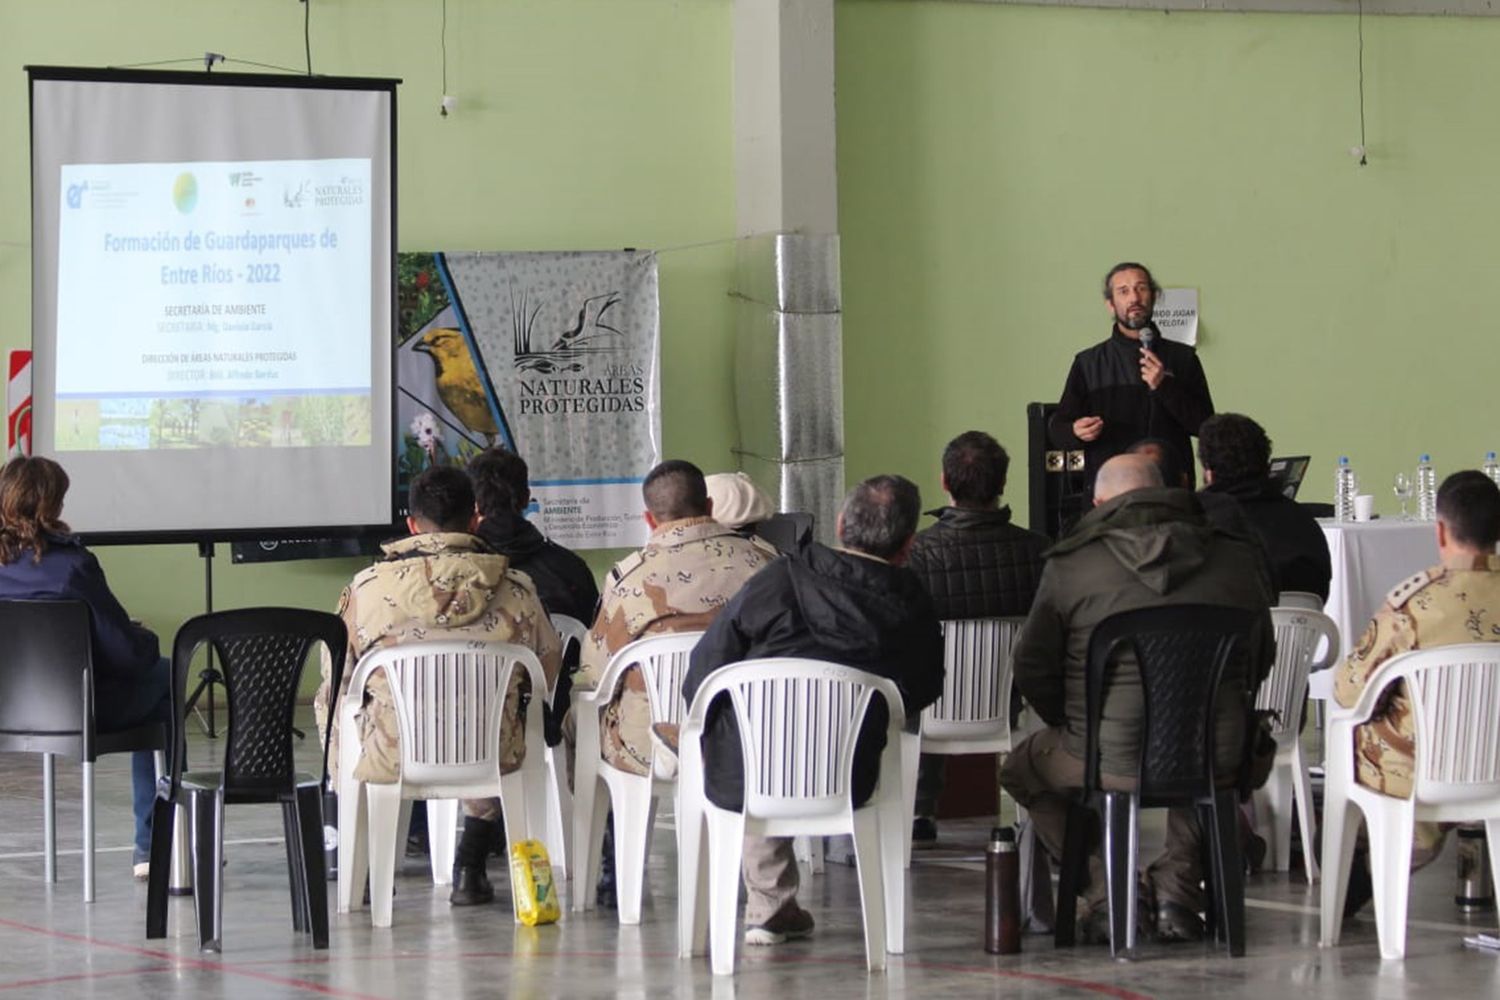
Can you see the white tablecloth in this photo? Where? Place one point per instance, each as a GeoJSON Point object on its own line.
{"type": "Point", "coordinates": [1369, 558]}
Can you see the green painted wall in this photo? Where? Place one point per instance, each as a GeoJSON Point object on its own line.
{"type": "Point", "coordinates": [581, 124]}
{"type": "Point", "coordinates": [995, 160]}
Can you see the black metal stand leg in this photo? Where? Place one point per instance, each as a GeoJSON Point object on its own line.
{"type": "Point", "coordinates": [208, 676]}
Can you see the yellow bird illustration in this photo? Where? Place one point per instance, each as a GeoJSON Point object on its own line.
{"type": "Point", "coordinates": [458, 382]}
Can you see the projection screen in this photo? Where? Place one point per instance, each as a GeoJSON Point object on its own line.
{"type": "Point", "coordinates": [212, 301]}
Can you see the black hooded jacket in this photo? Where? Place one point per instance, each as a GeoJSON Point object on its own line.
{"type": "Point", "coordinates": [822, 604]}
{"type": "Point", "coordinates": [564, 584]}
{"type": "Point", "coordinates": [1294, 543]}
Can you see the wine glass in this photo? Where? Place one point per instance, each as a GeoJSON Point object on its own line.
{"type": "Point", "coordinates": [1401, 486]}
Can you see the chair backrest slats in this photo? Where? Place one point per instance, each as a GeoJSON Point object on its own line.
{"type": "Point", "coordinates": [1298, 635]}
{"type": "Point", "coordinates": [1455, 697]}
{"type": "Point", "coordinates": [977, 679]}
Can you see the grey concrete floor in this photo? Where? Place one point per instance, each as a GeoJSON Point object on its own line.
{"type": "Point", "coordinates": [52, 944]}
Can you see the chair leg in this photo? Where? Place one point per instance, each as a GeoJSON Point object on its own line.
{"type": "Point", "coordinates": [590, 807]}
{"type": "Point", "coordinates": [354, 846]}
{"type": "Point", "coordinates": [49, 817]}
{"type": "Point", "coordinates": [383, 805]}
{"type": "Point", "coordinates": [1273, 813]}
{"type": "Point", "coordinates": [871, 861]}
{"type": "Point", "coordinates": [208, 861]}
{"type": "Point", "coordinates": [559, 814]}
{"type": "Point", "coordinates": [1119, 867]}
{"type": "Point", "coordinates": [88, 831]}
{"type": "Point", "coordinates": [1071, 870]}
{"type": "Point", "coordinates": [1302, 787]}
{"type": "Point", "coordinates": [315, 879]}
{"type": "Point", "coordinates": [632, 802]}
{"type": "Point", "coordinates": [1208, 858]}
{"type": "Point", "coordinates": [911, 761]}
{"type": "Point", "coordinates": [692, 864]}
{"type": "Point", "coordinates": [1340, 833]}
{"type": "Point", "coordinates": [291, 840]}
{"type": "Point", "coordinates": [442, 834]}
{"type": "Point", "coordinates": [894, 826]}
{"type": "Point", "coordinates": [1229, 871]}
{"type": "Point", "coordinates": [726, 838]}
{"type": "Point", "coordinates": [1390, 829]}
{"type": "Point", "coordinates": [163, 836]}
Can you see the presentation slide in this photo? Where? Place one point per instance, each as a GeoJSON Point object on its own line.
{"type": "Point", "coordinates": [213, 305]}
{"type": "Point", "coordinates": [233, 299]}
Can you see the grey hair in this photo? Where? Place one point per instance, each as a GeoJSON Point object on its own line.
{"type": "Point", "coordinates": [1125, 473]}
{"type": "Point", "coordinates": [879, 515]}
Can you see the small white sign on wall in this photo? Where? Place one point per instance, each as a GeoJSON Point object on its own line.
{"type": "Point", "coordinates": [1176, 314]}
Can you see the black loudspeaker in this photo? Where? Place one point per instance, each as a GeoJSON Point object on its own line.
{"type": "Point", "coordinates": [1055, 478]}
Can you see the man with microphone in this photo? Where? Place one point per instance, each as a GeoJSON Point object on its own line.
{"type": "Point", "coordinates": [1133, 385]}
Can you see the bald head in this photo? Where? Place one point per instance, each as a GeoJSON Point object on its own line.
{"type": "Point", "coordinates": [1125, 473]}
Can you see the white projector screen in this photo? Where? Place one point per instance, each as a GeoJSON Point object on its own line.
{"type": "Point", "coordinates": [212, 300]}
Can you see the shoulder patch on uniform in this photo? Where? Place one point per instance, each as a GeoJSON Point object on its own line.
{"type": "Point", "coordinates": [625, 567]}
{"type": "Point", "coordinates": [764, 546]}
{"type": "Point", "coordinates": [1410, 587]}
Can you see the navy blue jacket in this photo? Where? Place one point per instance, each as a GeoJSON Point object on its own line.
{"type": "Point", "coordinates": [122, 651]}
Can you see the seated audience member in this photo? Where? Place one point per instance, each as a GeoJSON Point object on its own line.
{"type": "Point", "coordinates": [975, 564]}
{"type": "Point", "coordinates": [564, 582]}
{"type": "Point", "coordinates": [40, 559]}
{"type": "Point", "coordinates": [1141, 546]}
{"type": "Point", "coordinates": [854, 605]}
{"type": "Point", "coordinates": [440, 583]}
{"type": "Point", "coordinates": [1236, 457]}
{"type": "Point", "coordinates": [1456, 601]}
{"type": "Point", "coordinates": [1167, 459]}
{"type": "Point", "coordinates": [689, 569]}
{"type": "Point", "coordinates": [737, 502]}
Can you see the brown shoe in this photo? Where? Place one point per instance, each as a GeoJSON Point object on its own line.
{"type": "Point", "coordinates": [791, 923]}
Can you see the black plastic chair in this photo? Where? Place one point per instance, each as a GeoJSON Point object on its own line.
{"type": "Point", "coordinates": [47, 707]}
{"type": "Point", "coordinates": [1181, 652]}
{"type": "Point", "coordinates": [261, 652]}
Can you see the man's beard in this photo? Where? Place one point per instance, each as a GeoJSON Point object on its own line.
{"type": "Point", "coordinates": [1138, 321]}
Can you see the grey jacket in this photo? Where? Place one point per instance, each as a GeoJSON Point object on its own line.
{"type": "Point", "coordinates": [1142, 549]}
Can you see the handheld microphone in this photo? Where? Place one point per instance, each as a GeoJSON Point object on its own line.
{"type": "Point", "coordinates": [1148, 338]}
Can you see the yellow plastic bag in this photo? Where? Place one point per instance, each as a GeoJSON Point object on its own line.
{"type": "Point", "coordinates": [531, 884]}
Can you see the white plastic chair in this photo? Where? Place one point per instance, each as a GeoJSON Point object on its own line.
{"type": "Point", "coordinates": [559, 798]}
{"type": "Point", "coordinates": [973, 715]}
{"type": "Point", "coordinates": [449, 700]}
{"type": "Point", "coordinates": [1454, 693]}
{"type": "Point", "coordinates": [798, 723]}
{"type": "Point", "coordinates": [1303, 599]}
{"type": "Point", "coordinates": [1299, 636]}
{"type": "Point", "coordinates": [663, 662]}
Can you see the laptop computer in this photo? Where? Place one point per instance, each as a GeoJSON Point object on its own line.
{"type": "Point", "coordinates": [1287, 473]}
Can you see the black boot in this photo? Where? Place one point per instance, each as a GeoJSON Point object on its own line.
{"type": "Point", "coordinates": [604, 895]}
{"type": "Point", "coordinates": [471, 883]}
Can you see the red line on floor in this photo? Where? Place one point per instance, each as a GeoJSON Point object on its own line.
{"type": "Point", "coordinates": [21, 984]}
{"type": "Point", "coordinates": [189, 963]}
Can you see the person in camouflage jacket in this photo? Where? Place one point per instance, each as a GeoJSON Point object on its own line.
{"type": "Point", "coordinates": [440, 583]}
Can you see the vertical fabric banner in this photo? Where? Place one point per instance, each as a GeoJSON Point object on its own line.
{"type": "Point", "coordinates": [555, 355]}
{"type": "Point", "coordinates": [18, 405]}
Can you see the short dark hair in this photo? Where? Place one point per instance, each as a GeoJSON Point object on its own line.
{"type": "Point", "coordinates": [1129, 265]}
{"type": "Point", "coordinates": [879, 515]}
{"type": "Point", "coordinates": [675, 489]}
{"type": "Point", "coordinates": [1235, 447]}
{"type": "Point", "coordinates": [974, 467]}
{"type": "Point", "coordinates": [1469, 504]}
{"type": "Point", "coordinates": [443, 497]}
{"type": "Point", "coordinates": [501, 482]}
{"type": "Point", "coordinates": [1173, 471]}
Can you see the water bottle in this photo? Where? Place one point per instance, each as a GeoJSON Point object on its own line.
{"type": "Point", "coordinates": [1426, 490]}
{"type": "Point", "coordinates": [1492, 468]}
{"type": "Point", "coordinates": [1345, 486]}
{"type": "Point", "coordinates": [1002, 893]}
{"type": "Point", "coordinates": [1476, 889]}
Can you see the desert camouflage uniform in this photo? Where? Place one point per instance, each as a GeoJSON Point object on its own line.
{"type": "Point", "coordinates": [436, 586]}
{"type": "Point", "coordinates": [679, 582]}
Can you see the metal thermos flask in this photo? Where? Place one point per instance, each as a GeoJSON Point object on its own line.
{"type": "Point", "coordinates": [1002, 893]}
{"type": "Point", "coordinates": [1476, 886]}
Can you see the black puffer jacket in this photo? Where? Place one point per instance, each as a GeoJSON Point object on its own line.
{"type": "Point", "coordinates": [976, 564]}
{"type": "Point", "coordinates": [823, 604]}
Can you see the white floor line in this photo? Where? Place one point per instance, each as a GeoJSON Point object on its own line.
{"type": "Point", "coordinates": [64, 852]}
{"type": "Point", "coordinates": [1312, 911]}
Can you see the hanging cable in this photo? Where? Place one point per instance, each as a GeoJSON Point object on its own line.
{"type": "Point", "coordinates": [1361, 30]}
{"type": "Point", "coordinates": [307, 32]}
